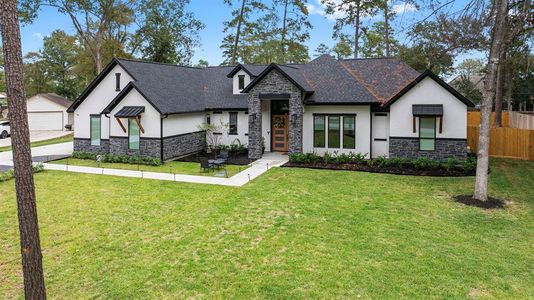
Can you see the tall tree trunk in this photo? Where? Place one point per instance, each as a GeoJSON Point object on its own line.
{"type": "Point", "coordinates": [357, 30]}
{"type": "Point", "coordinates": [386, 23]}
{"type": "Point", "coordinates": [284, 29]}
{"type": "Point", "coordinates": [238, 31]}
{"type": "Point", "coordinates": [32, 266]}
{"type": "Point", "coordinates": [98, 53]}
{"type": "Point", "coordinates": [508, 85]}
{"type": "Point", "coordinates": [498, 34]}
{"type": "Point", "coordinates": [499, 90]}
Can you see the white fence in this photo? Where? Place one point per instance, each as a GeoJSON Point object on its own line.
{"type": "Point", "coordinates": [521, 120]}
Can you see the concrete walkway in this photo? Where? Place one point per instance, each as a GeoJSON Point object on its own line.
{"type": "Point", "coordinates": [255, 169]}
{"type": "Point", "coordinates": [269, 160]}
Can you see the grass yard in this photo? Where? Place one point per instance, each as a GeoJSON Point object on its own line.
{"type": "Point", "coordinates": [178, 167]}
{"type": "Point", "coordinates": [291, 233]}
{"type": "Point", "coordinates": [63, 139]}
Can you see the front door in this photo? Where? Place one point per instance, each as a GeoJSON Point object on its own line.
{"type": "Point", "coordinates": [280, 133]}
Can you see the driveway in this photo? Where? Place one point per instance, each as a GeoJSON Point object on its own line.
{"type": "Point", "coordinates": [39, 154]}
{"type": "Point", "coordinates": [36, 136]}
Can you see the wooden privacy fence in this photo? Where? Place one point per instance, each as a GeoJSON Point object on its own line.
{"type": "Point", "coordinates": [473, 118]}
{"type": "Point", "coordinates": [505, 142]}
{"type": "Point", "coordinates": [521, 120]}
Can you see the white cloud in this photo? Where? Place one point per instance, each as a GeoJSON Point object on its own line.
{"type": "Point", "coordinates": [404, 8]}
{"type": "Point", "coordinates": [319, 8]}
{"type": "Point", "coordinates": [38, 35]}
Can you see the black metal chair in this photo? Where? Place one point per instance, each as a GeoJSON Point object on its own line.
{"type": "Point", "coordinates": [223, 155]}
{"type": "Point", "coordinates": [205, 164]}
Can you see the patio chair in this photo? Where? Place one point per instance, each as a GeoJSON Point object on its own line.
{"type": "Point", "coordinates": [205, 164]}
{"type": "Point", "coordinates": [223, 155]}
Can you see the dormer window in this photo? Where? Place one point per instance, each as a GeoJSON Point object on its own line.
{"type": "Point", "coordinates": [117, 82]}
{"type": "Point", "coordinates": [241, 82]}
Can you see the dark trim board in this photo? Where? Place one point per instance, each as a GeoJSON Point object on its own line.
{"type": "Point", "coordinates": [267, 70]}
{"type": "Point", "coordinates": [417, 137]}
{"type": "Point", "coordinates": [140, 138]}
{"type": "Point", "coordinates": [183, 134]}
{"type": "Point", "coordinates": [380, 140]}
{"type": "Point", "coordinates": [88, 139]}
{"type": "Point", "coordinates": [337, 103]}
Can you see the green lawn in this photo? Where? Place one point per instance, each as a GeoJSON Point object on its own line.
{"type": "Point", "coordinates": [178, 167]}
{"type": "Point", "coordinates": [63, 139]}
{"type": "Point", "coordinates": [291, 233]}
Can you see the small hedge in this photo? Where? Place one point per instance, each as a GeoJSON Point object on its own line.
{"type": "Point", "coordinates": [116, 158]}
{"type": "Point", "coordinates": [357, 161]}
{"type": "Point", "coordinates": [5, 176]}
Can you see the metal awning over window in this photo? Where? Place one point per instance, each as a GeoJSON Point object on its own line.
{"type": "Point", "coordinates": [431, 110]}
{"type": "Point", "coordinates": [130, 112]}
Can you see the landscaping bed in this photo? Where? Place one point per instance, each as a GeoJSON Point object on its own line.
{"type": "Point", "coordinates": [239, 159]}
{"type": "Point", "coordinates": [401, 166]}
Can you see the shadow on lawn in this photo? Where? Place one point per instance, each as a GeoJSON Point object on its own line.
{"type": "Point", "coordinates": [492, 203]}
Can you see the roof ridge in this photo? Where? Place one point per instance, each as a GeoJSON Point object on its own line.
{"type": "Point", "coordinates": [370, 58]}
{"type": "Point", "coordinates": [158, 63]}
{"type": "Point", "coordinates": [360, 81]}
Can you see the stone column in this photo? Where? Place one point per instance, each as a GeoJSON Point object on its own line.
{"type": "Point", "coordinates": [254, 126]}
{"type": "Point", "coordinates": [296, 116]}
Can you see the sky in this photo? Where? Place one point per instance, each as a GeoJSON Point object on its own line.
{"type": "Point", "coordinates": [214, 12]}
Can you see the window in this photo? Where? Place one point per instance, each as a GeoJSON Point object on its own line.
{"type": "Point", "coordinates": [95, 130]}
{"type": "Point", "coordinates": [318, 131]}
{"type": "Point", "coordinates": [208, 119]}
{"type": "Point", "coordinates": [241, 81]}
{"type": "Point", "coordinates": [133, 135]}
{"type": "Point", "coordinates": [349, 132]}
{"type": "Point", "coordinates": [117, 82]}
{"type": "Point", "coordinates": [333, 132]}
{"type": "Point", "coordinates": [233, 123]}
{"type": "Point", "coordinates": [427, 133]}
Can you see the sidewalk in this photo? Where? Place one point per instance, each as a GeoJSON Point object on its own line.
{"type": "Point", "coordinates": [257, 168]}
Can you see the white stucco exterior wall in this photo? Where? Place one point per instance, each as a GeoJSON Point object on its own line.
{"type": "Point", "coordinates": [266, 123]}
{"type": "Point", "coordinates": [242, 127]}
{"type": "Point", "coordinates": [363, 122]}
{"type": "Point", "coordinates": [150, 119]}
{"type": "Point", "coordinates": [182, 123]}
{"type": "Point", "coordinates": [236, 81]}
{"type": "Point", "coordinates": [96, 101]}
{"type": "Point", "coordinates": [428, 92]}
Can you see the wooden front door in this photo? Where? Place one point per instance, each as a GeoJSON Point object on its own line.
{"type": "Point", "coordinates": [280, 133]}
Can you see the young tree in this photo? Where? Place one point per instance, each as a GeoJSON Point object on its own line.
{"type": "Point", "coordinates": [350, 13]}
{"type": "Point", "coordinates": [500, 10]}
{"type": "Point", "coordinates": [32, 265]}
{"type": "Point", "coordinates": [469, 67]}
{"type": "Point", "coordinates": [169, 33]}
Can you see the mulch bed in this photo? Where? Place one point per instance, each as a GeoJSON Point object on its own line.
{"type": "Point", "coordinates": [492, 203]}
{"type": "Point", "coordinates": [376, 169]}
{"type": "Point", "coordinates": [233, 159]}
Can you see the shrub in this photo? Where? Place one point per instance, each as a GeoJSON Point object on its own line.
{"type": "Point", "coordinates": [357, 158]}
{"type": "Point", "coordinates": [119, 158]}
{"type": "Point", "coordinates": [381, 161]}
{"type": "Point", "coordinates": [425, 163]}
{"type": "Point", "coordinates": [329, 158]}
{"type": "Point", "coordinates": [297, 157]}
{"type": "Point", "coordinates": [343, 159]}
{"type": "Point", "coordinates": [398, 162]}
{"type": "Point", "coordinates": [451, 164]}
{"type": "Point", "coordinates": [470, 164]}
{"type": "Point", "coordinates": [312, 157]}
{"type": "Point", "coordinates": [84, 155]}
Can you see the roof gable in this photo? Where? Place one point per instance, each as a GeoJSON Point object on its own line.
{"type": "Point", "coordinates": [289, 72]}
{"type": "Point", "coordinates": [438, 80]}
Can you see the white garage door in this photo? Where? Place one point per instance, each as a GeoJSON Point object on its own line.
{"type": "Point", "coordinates": [50, 120]}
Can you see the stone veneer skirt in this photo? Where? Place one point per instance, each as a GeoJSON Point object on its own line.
{"type": "Point", "coordinates": [445, 148]}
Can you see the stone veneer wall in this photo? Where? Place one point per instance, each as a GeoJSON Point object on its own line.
{"type": "Point", "coordinates": [147, 146]}
{"type": "Point", "coordinates": [183, 144]}
{"type": "Point", "coordinates": [85, 145]}
{"type": "Point", "coordinates": [445, 148]}
{"type": "Point", "coordinates": [274, 83]}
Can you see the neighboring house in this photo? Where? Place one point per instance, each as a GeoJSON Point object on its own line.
{"type": "Point", "coordinates": [381, 107]}
{"type": "Point", "coordinates": [48, 112]}
{"type": "Point", "coordinates": [476, 79]}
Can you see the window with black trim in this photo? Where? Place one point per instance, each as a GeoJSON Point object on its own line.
{"type": "Point", "coordinates": [133, 135]}
{"type": "Point", "coordinates": [233, 123]}
{"type": "Point", "coordinates": [208, 119]}
{"type": "Point", "coordinates": [117, 82]}
{"type": "Point", "coordinates": [334, 133]}
{"type": "Point", "coordinates": [319, 134]}
{"type": "Point", "coordinates": [241, 81]}
{"type": "Point", "coordinates": [349, 132]}
{"type": "Point", "coordinates": [95, 130]}
{"type": "Point", "coordinates": [427, 134]}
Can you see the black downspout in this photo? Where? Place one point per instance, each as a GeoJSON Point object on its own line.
{"type": "Point", "coordinates": [371, 133]}
{"type": "Point", "coordinates": [161, 136]}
